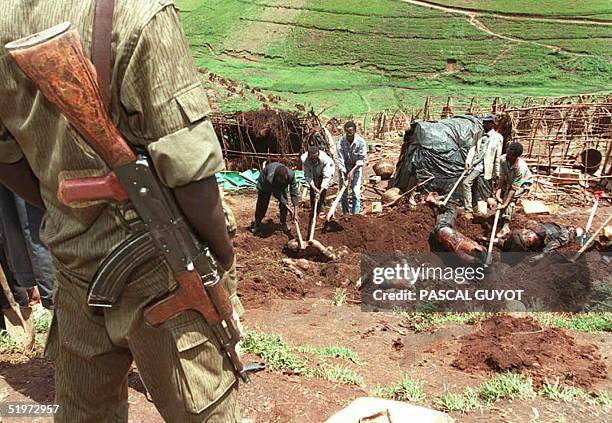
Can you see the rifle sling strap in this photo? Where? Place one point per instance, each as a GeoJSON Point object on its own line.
{"type": "Point", "coordinates": [101, 46]}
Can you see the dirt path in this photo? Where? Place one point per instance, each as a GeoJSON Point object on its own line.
{"type": "Point", "coordinates": [509, 16]}
{"type": "Point", "coordinates": [474, 21]}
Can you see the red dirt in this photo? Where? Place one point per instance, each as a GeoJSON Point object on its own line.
{"type": "Point", "coordinates": [262, 274]}
{"type": "Point", "coordinates": [556, 283]}
{"type": "Point", "coordinates": [504, 343]}
{"type": "Point", "coordinates": [401, 229]}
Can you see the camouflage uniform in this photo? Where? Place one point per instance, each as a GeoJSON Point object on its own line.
{"type": "Point", "coordinates": [158, 103]}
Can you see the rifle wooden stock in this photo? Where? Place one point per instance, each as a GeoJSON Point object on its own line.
{"type": "Point", "coordinates": [72, 192]}
{"type": "Point", "coordinates": [188, 296]}
{"type": "Point", "coordinates": [54, 61]}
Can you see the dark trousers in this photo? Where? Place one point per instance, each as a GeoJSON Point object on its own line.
{"type": "Point", "coordinates": [263, 200]}
{"type": "Point", "coordinates": [20, 293]}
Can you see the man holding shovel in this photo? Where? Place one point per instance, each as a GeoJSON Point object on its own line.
{"type": "Point", "coordinates": [482, 159]}
{"type": "Point", "coordinates": [318, 171]}
{"type": "Point", "coordinates": [351, 156]}
{"type": "Point", "coordinates": [514, 181]}
{"type": "Point", "coordinates": [274, 179]}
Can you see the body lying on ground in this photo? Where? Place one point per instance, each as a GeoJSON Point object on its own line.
{"type": "Point", "coordinates": [448, 238]}
{"type": "Point", "coordinates": [538, 237]}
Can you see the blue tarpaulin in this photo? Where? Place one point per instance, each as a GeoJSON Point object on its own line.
{"type": "Point", "coordinates": [234, 181]}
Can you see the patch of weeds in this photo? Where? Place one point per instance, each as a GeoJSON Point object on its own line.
{"type": "Point", "coordinates": [582, 322]}
{"type": "Point", "coordinates": [507, 385]}
{"type": "Point", "coordinates": [601, 398]}
{"type": "Point", "coordinates": [7, 344]}
{"type": "Point", "coordinates": [340, 374]}
{"type": "Point", "coordinates": [42, 321]}
{"type": "Point", "coordinates": [559, 392]}
{"type": "Point", "coordinates": [339, 296]}
{"type": "Point", "coordinates": [331, 351]}
{"type": "Point", "coordinates": [277, 354]}
{"type": "Point", "coordinates": [420, 322]}
{"type": "Point", "coordinates": [464, 402]}
{"type": "Point", "coordinates": [406, 390]}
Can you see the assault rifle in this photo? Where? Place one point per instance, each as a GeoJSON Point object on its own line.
{"type": "Point", "coordinates": [53, 59]}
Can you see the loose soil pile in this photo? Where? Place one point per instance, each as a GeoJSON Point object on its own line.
{"type": "Point", "coordinates": [521, 345]}
{"type": "Point", "coordinates": [555, 284]}
{"type": "Point", "coordinates": [262, 274]}
{"type": "Point", "coordinates": [400, 229]}
{"type": "Point", "coordinates": [551, 284]}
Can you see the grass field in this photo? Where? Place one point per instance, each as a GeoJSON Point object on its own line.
{"type": "Point", "coordinates": [351, 57]}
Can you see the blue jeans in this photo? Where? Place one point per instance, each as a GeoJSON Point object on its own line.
{"type": "Point", "coordinates": [356, 194]}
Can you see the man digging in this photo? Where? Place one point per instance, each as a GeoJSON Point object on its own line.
{"type": "Point", "coordinates": [318, 171]}
{"type": "Point", "coordinates": [274, 179]}
{"type": "Point", "coordinates": [482, 159]}
{"type": "Point", "coordinates": [351, 156]}
{"type": "Point", "coordinates": [514, 181]}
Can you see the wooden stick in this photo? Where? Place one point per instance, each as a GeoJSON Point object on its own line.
{"type": "Point", "coordinates": [334, 205]}
{"type": "Point", "coordinates": [490, 250]}
{"type": "Point", "coordinates": [299, 233]}
{"type": "Point", "coordinates": [314, 219]}
{"type": "Point", "coordinates": [587, 228]}
{"type": "Point", "coordinates": [451, 192]}
{"type": "Point", "coordinates": [591, 239]}
{"type": "Point", "coordinates": [408, 192]}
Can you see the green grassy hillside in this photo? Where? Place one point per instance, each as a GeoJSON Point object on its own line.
{"type": "Point", "coordinates": [356, 56]}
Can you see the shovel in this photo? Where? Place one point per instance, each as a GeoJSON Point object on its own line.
{"type": "Point", "coordinates": [314, 219]}
{"type": "Point", "coordinates": [299, 234]}
{"type": "Point", "coordinates": [451, 192]}
{"type": "Point", "coordinates": [490, 250]}
{"type": "Point", "coordinates": [590, 240]}
{"type": "Point", "coordinates": [334, 205]}
{"type": "Point", "coordinates": [597, 195]}
{"type": "Point", "coordinates": [18, 320]}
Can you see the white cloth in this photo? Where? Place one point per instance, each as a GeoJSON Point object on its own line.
{"type": "Point", "coordinates": [487, 149]}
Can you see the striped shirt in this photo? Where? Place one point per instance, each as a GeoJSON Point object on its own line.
{"type": "Point", "coordinates": [157, 102]}
{"type": "Point", "coordinates": [515, 175]}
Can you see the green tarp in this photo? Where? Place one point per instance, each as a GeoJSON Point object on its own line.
{"type": "Point", "coordinates": [234, 181]}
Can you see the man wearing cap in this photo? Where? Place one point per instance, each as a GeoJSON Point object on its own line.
{"type": "Point", "coordinates": [318, 171]}
{"type": "Point", "coordinates": [482, 159]}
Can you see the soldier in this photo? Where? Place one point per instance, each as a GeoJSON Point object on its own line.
{"type": "Point", "coordinates": [158, 104]}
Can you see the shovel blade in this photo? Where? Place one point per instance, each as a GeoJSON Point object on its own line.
{"type": "Point", "coordinates": [19, 324]}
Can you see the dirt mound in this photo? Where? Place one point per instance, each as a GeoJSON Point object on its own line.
{"type": "Point", "coordinates": [401, 229]}
{"type": "Point", "coordinates": [554, 283]}
{"type": "Point", "coordinates": [262, 274]}
{"type": "Point", "coordinates": [504, 343]}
